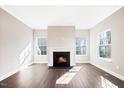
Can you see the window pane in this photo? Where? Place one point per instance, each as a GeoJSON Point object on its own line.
{"type": "Point", "coordinates": [108, 51]}
{"type": "Point", "coordinates": [101, 37]}
{"type": "Point", "coordinates": [108, 33]}
{"type": "Point", "coordinates": [102, 51]}
{"type": "Point", "coordinates": [83, 50]}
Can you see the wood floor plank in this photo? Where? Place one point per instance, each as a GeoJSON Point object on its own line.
{"type": "Point", "coordinates": [41, 76]}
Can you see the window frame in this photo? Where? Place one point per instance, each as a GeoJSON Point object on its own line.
{"type": "Point", "coordinates": [37, 46]}
{"type": "Point", "coordinates": [98, 44]}
{"type": "Point", "coordinates": [82, 46]}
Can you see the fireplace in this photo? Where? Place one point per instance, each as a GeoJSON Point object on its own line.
{"type": "Point", "coordinates": [61, 59]}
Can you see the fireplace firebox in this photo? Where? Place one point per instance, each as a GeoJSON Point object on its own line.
{"type": "Point", "coordinates": [61, 59]}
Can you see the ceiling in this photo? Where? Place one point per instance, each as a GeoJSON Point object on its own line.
{"type": "Point", "coordinates": [40, 17]}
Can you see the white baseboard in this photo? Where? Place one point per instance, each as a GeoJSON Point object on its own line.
{"type": "Point", "coordinates": [110, 72]}
{"type": "Point", "coordinates": [9, 74]}
{"type": "Point", "coordinates": [82, 61]}
{"type": "Point", "coordinates": [40, 62]}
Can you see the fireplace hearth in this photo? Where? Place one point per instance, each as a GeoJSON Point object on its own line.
{"type": "Point", "coordinates": [61, 59]}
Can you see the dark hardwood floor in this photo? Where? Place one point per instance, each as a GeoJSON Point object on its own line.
{"type": "Point", "coordinates": [40, 76]}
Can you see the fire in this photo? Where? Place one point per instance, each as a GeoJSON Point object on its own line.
{"type": "Point", "coordinates": [61, 59]}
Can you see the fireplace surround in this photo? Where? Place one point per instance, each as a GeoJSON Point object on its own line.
{"type": "Point", "coordinates": [61, 59]}
{"type": "Point", "coordinates": [61, 39]}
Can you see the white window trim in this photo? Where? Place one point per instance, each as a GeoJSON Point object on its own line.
{"type": "Point", "coordinates": [102, 58]}
{"type": "Point", "coordinates": [105, 59]}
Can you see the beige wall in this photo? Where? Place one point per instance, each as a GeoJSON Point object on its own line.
{"type": "Point", "coordinates": [115, 22]}
{"type": "Point", "coordinates": [14, 37]}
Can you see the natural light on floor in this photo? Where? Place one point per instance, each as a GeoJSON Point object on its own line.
{"type": "Point", "coordinates": [67, 77]}
{"type": "Point", "coordinates": [107, 84]}
{"type": "Point", "coordinates": [25, 56]}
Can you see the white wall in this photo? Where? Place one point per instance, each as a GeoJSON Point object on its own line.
{"type": "Point", "coordinates": [14, 37]}
{"type": "Point", "coordinates": [61, 38]}
{"type": "Point", "coordinates": [116, 23]}
{"type": "Point", "coordinates": [85, 34]}
{"type": "Point", "coordinates": [42, 34]}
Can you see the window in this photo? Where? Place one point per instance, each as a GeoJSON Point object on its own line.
{"type": "Point", "coordinates": [105, 44]}
{"type": "Point", "coordinates": [41, 46]}
{"type": "Point", "coordinates": [80, 46]}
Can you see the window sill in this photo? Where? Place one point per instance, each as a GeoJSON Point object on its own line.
{"type": "Point", "coordinates": [41, 55]}
{"type": "Point", "coordinates": [106, 59]}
